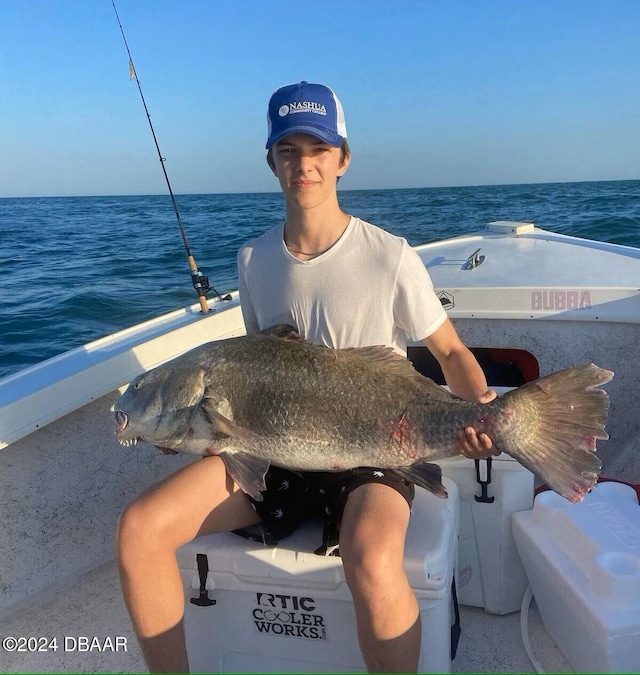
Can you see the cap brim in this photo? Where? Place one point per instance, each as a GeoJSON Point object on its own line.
{"type": "Point", "coordinates": [330, 137]}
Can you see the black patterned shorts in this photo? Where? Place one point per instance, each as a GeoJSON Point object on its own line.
{"type": "Point", "coordinates": [291, 498]}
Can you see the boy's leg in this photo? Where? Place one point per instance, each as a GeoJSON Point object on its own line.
{"type": "Point", "coordinates": [198, 499]}
{"type": "Point", "coordinates": [372, 537]}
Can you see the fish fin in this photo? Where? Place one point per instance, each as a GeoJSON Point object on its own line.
{"type": "Point", "coordinates": [247, 471]}
{"type": "Point", "coordinates": [224, 425]}
{"type": "Point", "coordinates": [425, 474]}
{"type": "Point", "coordinates": [555, 423]}
{"type": "Point", "coordinates": [283, 330]}
{"type": "Point", "coordinates": [388, 357]}
{"type": "Point", "coordinates": [390, 360]}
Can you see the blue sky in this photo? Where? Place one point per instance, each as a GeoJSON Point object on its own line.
{"type": "Point", "coordinates": [436, 93]}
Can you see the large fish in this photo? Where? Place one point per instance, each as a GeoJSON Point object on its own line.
{"type": "Point", "coordinates": [274, 398]}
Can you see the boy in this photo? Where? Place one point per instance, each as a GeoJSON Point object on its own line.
{"type": "Point", "coordinates": [343, 283]}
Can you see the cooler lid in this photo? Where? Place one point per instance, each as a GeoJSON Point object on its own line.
{"type": "Point", "coordinates": [601, 538]}
{"type": "Point", "coordinates": [429, 551]}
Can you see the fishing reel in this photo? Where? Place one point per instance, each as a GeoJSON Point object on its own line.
{"type": "Point", "coordinates": [201, 283]}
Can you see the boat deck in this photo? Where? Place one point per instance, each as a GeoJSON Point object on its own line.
{"type": "Point", "coordinates": [93, 607]}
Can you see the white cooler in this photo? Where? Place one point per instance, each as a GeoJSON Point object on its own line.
{"type": "Point", "coordinates": [583, 563]}
{"type": "Point", "coordinates": [489, 571]}
{"type": "Point", "coordinates": [284, 609]}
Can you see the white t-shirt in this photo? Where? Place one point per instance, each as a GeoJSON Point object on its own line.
{"type": "Point", "coordinates": [370, 288]}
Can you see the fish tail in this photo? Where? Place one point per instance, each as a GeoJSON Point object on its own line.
{"type": "Point", "coordinates": [551, 426]}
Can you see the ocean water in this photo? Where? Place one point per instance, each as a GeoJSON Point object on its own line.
{"type": "Point", "coordinates": [73, 269]}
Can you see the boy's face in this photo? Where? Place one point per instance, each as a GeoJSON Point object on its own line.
{"type": "Point", "coordinates": [307, 168]}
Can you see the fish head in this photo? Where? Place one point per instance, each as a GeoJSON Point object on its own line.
{"type": "Point", "coordinates": [159, 406]}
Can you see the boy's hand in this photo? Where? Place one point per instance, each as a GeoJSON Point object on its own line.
{"type": "Point", "coordinates": [474, 445]}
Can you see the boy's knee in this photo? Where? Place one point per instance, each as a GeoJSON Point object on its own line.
{"type": "Point", "coordinates": [371, 571]}
{"type": "Point", "coordinates": [138, 531]}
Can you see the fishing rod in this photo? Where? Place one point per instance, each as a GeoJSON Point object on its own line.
{"type": "Point", "coordinates": [199, 280]}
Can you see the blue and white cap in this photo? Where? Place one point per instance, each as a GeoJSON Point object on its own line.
{"type": "Point", "coordinates": [306, 108]}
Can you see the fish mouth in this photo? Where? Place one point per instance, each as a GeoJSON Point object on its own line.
{"type": "Point", "coordinates": [122, 420]}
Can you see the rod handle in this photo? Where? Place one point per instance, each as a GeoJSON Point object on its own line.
{"type": "Point", "coordinates": [202, 296]}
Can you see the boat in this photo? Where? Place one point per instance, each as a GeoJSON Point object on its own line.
{"type": "Point", "coordinates": [526, 300]}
